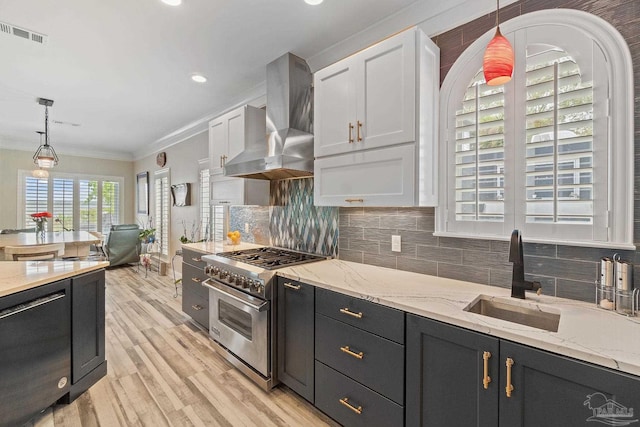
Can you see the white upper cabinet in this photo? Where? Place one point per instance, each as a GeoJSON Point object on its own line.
{"type": "Point", "coordinates": [368, 99]}
{"type": "Point", "coordinates": [376, 125]}
{"type": "Point", "coordinates": [228, 136]}
{"type": "Point", "coordinates": [229, 133]}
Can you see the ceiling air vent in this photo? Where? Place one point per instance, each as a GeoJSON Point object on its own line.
{"type": "Point", "coordinates": [12, 30]}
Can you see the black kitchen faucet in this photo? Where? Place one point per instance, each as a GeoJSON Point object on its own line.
{"type": "Point", "coordinates": [516, 256]}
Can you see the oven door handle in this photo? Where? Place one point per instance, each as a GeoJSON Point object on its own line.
{"type": "Point", "coordinates": [236, 295]}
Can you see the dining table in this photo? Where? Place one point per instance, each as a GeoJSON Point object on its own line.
{"type": "Point", "coordinates": [76, 243]}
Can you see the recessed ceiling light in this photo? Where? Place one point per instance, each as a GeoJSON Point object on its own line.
{"type": "Point", "coordinates": [313, 2]}
{"type": "Point", "coordinates": [198, 78]}
{"type": "Point", "coordinates": [172, 2]}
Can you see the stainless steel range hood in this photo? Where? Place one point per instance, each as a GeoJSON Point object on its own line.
{"type": "Point", "coordinates": [287, 151]}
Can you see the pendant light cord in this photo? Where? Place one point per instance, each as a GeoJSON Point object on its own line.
{"type": "Point", "coordinates": [46, 125]}
{"type": "Point", "coordinates": [497, 13]}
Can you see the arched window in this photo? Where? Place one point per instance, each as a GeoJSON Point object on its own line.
{"type": "Point", "coordinates": [550, 152]}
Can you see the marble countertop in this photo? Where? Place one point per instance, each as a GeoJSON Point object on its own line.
{"type": "Point", "coordinates": [217, 247]}
{"type": "Point", "coordinates": [585, 332]}
{"type": "Point", "coordinates": [16, 276]}
{"type": "Point", "coordinates": [29, 239]}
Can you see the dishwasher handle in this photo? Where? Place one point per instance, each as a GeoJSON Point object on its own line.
{"type": "Point", "coordinates": [16, 309]}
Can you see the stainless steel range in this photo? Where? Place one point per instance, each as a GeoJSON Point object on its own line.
{"type": "Point", "coordinates": [242, 306]}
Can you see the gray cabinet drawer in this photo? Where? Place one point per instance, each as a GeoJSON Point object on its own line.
{"type": "Point", "coordinates": [192, 279]}
{"type": "Point", "coordinates": [334, 388]}
{"type": "Point", "coordinates": [384, 321]}
{"type": "Point", "coordinates": [376, 362]}
{"type": "Point", "coordinates": [196, 307]}
{"type": "Point", "coordinates": [193, 258]}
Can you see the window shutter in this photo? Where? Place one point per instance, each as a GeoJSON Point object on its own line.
{"type": "Point", "coordinates": [204, 204]}
{"type": "Point", "coordinates": [110, 204]}
{"type": "Point", "coordinates": [559, 127]}
{"type": "Point", "coordinates": [480, 153]}
{"type": "Point", "coordinates": [36, 196]}
{"type": "Point", "coordinates": [62, 204]}
{"type": "Point", "coordinates": [162, 213]}
{"type": "Point", "coordinates": [88, 205]}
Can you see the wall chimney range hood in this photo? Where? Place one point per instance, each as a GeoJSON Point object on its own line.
{"type": "Point", "coordinates": [288, 149]}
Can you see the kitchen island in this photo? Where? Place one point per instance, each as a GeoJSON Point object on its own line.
{"type": "Point", "coordinates": [52, 334]}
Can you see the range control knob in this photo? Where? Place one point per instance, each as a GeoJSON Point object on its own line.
{"type": "Point", "coordinates": [241, 281]}
{"type": "Point", "coordinates": [260, 288]}
{"type": "Point", "coordinates": [223, 274]}
{"type": "Point", "coordinates": [215, 271]}
{"type": "Point", "coordinates": [233, 277]}
{"type": "Point", "coordinates": [208, 269]}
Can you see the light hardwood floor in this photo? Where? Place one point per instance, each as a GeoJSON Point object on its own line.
{"type": "Point", "coordinates": [163, 371]}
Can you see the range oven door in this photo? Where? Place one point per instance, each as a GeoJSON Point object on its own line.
{"type": "Point", "coordinates": [240, 322]}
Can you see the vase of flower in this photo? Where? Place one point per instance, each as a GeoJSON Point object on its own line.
{"type": "Point", "coordinates": [40, 218]}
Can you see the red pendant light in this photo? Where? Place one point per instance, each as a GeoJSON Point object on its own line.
{"type": "Point", "coordinates": [498, 58]}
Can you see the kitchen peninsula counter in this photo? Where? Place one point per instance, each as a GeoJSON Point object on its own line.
{"type": "Point", "coordinates": [16, 276]}
{"type": "Point", "coordinates": [585, 332]}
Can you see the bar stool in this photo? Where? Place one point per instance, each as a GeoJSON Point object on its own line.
{"type": "Point", "coordinates": [37, 252]}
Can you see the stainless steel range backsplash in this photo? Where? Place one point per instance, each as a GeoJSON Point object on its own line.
{"type": "Point", "coordinates": [297, 224]}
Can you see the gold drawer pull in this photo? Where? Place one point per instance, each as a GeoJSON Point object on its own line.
{"type": "Point", "coordinates": [346, 349]}
{"type": "Point", "coordinates": [197, 307]}
{"type": "Point", "coordinates": [486, 378]}
{"type": "Point", "coordinates": [345, 402]}
{"type": "Point", "coordinates": [351, 313]}
{"type": "Point", "coordinates": [196, 259]}
{"type": "Point", "coordinates": [354, 200]}
{"type": "Point", "coordinates": [350, 135]}
{"type": "Point", "coordinates": [359, 128]}
{"type": "Point", "coordinates": [509, 388]}
{"type": "Point", "coordinates": [290, 286]}
{"type": "Point", "coordinates": [195, 279]}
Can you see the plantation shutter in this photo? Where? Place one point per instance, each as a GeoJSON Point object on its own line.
{"type": "Point", "coordinates": [36, 196]}
{"type": "Point", "coordinates": [88, 196]}
{"type": "Point", "coordinates": [205, 216]}
{"type": "Point", "coordinates": [110, 204]}
{"type": "Point", "coordinates": [62, 204]}
{"type": "Point", "coordinates": [162, 212]}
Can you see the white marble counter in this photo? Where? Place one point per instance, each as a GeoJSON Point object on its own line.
{"type": "Point", "coordinates": [585, 332]}
{"type": "Point", "coordinates": [16, 276]}
{"type": "Point", "coordinates": [217, 247]}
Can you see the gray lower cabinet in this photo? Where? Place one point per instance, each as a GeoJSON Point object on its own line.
{"type": "Point", "coordinates": [295, 304]}
{"type": "Point", "coordinates": [445, 387]}
{"type": "Point", "coordinates": [88, 362]}
{"type": "Point", "coordinates": [359, 369]}
{"type": "Point", "coordinates": [195, 297]}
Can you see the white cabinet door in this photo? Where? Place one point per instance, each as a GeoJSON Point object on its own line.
{"type": "Point", "coordinates": [239, 191]}
{"type": "Point", "coordinates": [335, 108]}
{"type": "Point", "coordinates": [386, 92]}
{"type": "Point", "coordinates": [367, 100]}
{"type": "Point", "coordinates": [217, 145]}
{"type": "Point", "coordinates": [230, 133]}
{"type": "Point", "coordinates": [380, 177]}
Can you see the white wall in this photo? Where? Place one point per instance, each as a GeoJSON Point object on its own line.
{"type": "Point", "coordinates": [13, 160]}
{"type": "Point", "coordinates": [182, 162]}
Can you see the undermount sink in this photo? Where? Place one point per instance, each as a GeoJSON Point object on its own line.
{"type": "Point", "coordinates": [503, 310]}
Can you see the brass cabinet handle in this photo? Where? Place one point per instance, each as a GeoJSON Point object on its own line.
{"type": "Point", "coordinates": [195, 279]}
{"type": "Point", "coordinates": [346, 349]}
{"type": "Point", "coordinates": [196, 259]}
{"type": "Point", "coordinates": [351, 313]}
{"type": "Point", "coordinates": [290, 286]}
{"type": "Point", "coordinates": [197, 307]}
{"type": "Point", "coordinates": [358, 130]}
{"type": "Point", "coordinates": [486, 379]}
{"type": "Point", "coordinates": [350, 135]}
{"type": "Point", "coordinates": [509, 388]}
{"type": "Point", "coordinates": [345, 402]}
{"type": "Point", "coordinates": [354, 200]}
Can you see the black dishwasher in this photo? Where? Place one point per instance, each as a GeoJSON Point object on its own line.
{"type": "Point", "coordinates": [35, 351]}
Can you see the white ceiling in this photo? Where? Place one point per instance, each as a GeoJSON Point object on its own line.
{"type": "Point", "coordinates": [121, 68]}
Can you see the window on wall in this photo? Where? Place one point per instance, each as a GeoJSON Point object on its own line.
{"type": "Point", "coordinates": [77, 202]}
{"type": "Point", "coordinates": [205, 210]}
{"type": "Point", "coordinates": [162, 210]}
{"type": "Point", "coordinates": [541, 153]}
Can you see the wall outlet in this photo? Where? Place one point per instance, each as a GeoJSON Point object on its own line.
{"type": "Point", "coordinates": [395, 243]}
{"type": "Point", "coordinates": [246, 227]}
